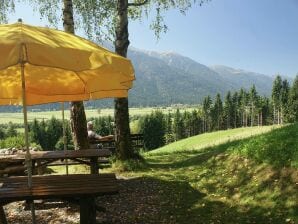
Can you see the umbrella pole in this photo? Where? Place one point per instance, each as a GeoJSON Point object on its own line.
{"type": "Point", "coordinates": [28, 155]}
{"type": "Point", "coordinates": [64, 137]}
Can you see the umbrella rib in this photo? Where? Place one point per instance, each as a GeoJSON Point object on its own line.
{"type": "Point", "coordinates": [84, 83]}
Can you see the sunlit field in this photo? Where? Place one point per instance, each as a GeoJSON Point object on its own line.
{"type": "Point", "coordinates": [18, 117]}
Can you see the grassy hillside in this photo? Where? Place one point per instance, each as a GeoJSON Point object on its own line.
{"type": "Point", "coordinates": [245, 175]}
{"type": "Point", "coordinates": [226, 177]}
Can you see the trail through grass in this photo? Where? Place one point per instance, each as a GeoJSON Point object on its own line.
{"type": "Point", "coordinates": [210, 179]}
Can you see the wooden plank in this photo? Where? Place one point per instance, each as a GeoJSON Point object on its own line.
{"type": "Point", "coordinates": [43, 155]}
{"type": "Point", "coordinates": [75, 185]}
{"type": "Point", "coordinates": [69, 154]}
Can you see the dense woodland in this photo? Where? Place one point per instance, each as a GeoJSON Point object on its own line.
{"type": "Point", "coordinates": [236, 109]}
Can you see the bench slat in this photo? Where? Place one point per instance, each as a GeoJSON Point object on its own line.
{"type": "Point", "coordinates": [15, 188]}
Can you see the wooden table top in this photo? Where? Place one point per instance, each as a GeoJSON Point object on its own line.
{"type": "Point", "coordinates": [68, 154]}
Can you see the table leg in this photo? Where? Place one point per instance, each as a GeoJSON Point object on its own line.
{"type": "Point", "coordinates": [87, 210]}
{"type": "Point", "coordinates": [2, 216]}
{"type": "Point", "coordinates": [94, 165]}
{"type": "Point", "coordinates": [39, 168]}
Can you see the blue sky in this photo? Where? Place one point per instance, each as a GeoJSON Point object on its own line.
{"type": "Point", "coordinates": [254, 35]}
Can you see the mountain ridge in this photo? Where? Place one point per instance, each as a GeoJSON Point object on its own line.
{"type": "Point", "coordinates": [166, 78]}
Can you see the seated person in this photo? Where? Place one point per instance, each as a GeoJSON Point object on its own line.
{"type": "Point", "coordinates": [92, 135]}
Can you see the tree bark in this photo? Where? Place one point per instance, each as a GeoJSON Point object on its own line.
{"type": "Point", "coordinates": [77, 111]}
{"type": "Point", "coordinates": [122, 130]}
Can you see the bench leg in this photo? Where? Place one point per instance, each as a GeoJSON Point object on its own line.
{"type": "Point", "coordinates": [93, 166]}
{"type": "Point", "coordinates": [87, 210]}
{"type": "Point", "coordinates": [2, 216]}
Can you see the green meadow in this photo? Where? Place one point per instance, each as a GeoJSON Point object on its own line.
{"type": "Point", "coordinates": [39, 115]}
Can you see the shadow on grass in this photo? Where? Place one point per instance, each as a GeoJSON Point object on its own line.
{"type": "Point", "coordinates": [151, 200]}
{"type": "Point", "coordinates": [278, 148]}
{"type": "Point", "coordinates": [190, 158]}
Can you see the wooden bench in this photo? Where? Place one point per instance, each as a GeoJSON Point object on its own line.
{"type": "Point", "coordinates": [137, 142]}
{"type": "Point", "coordinates": [81, 187]}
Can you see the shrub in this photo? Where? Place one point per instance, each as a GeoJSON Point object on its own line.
{"type": "Point", "coordinates": [13, 142]}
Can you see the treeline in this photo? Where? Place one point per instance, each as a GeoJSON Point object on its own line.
{"type": "Point", "coordinates": [238, 109]}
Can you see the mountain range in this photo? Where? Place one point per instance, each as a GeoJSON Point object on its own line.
{"type": "Point", "coordinates": [170, 78]}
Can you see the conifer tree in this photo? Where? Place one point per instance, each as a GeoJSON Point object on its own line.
{"type": "Point", "coordinates": [206, 113]}
{"type": "Point", "coordinates": [217, 113]}
{"type": "Point", "coordinates": [293, 101]}
{"type": "Point", "coordinates": [253, 98]}
{"type": "Point", "coordinates": [228, 110]}
{"type": "Point", "coordinates": [276, 99]}
{"type": "Point", "coordinates": [284, 105]}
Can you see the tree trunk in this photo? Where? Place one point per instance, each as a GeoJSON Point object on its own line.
{"type": "Point", "coordinates": [281, 116]}
{"type": "Point", "coordinates": [252, 116]}
{"type": "Point", "coordinates": [122, 131]}
{"type": "Point", "coordinates": [261, 118]}
{"type": "Point", "coordinates": [77, 112]}
{"type": "Point", "coordinates": [235, 119]}
{"type": "Point", "coordinates": [274, 114]}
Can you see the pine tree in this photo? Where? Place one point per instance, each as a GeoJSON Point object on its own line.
{"type": "Point", "coordinates": [293, 101]}
{"type": "Point", "coordinates": [284, 108]}
{"type": "Point", "coordinates": [178, 126]}
{"type": "Point", "coordinates": [235, 110]}
{"type": "Point", "coordinates": [244, 100]}
{"type": "Point", "coordinates": [206, 113]}
{"type": "Point", "coordinates": [154, 130]}
{"type": "Point", "coordinates": [228, 110]}
{"type": "Point", "coordinates": [53, 132]}
{"type": "Point", "coordinates": [276, 99]}
{"type": "Point", "coordinates": [217, 113]}
{"type": "Point", "coordinates": [253, 98]}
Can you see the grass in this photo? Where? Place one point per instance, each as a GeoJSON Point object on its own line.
{"type": "Point", "coordinates": [210, 178]}
{"type": "Point", "coordinates": [221, 177]}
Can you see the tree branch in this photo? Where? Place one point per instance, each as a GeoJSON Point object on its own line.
{"type": "Point", "coordinates": [138, 3]}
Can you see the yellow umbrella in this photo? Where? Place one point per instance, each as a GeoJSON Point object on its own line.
{"type": "Point", "coordinates": [40, 65]}
{"type": "Point", "coordinates": [58, 67]}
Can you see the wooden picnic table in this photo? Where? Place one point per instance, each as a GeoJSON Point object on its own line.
{"type": "Point", "coordinates": [43, 158]}
{"type": "Point", "coordinates": [80, 188]}
{"type": "Point", "coordinates": [90, 157]}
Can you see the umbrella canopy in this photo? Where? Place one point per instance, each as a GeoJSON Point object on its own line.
{"type": "Point", "coordinates": [58, 67]}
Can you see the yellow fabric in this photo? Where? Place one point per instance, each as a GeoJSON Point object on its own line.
{"type": "Point", "coordinates": [58, 67]}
